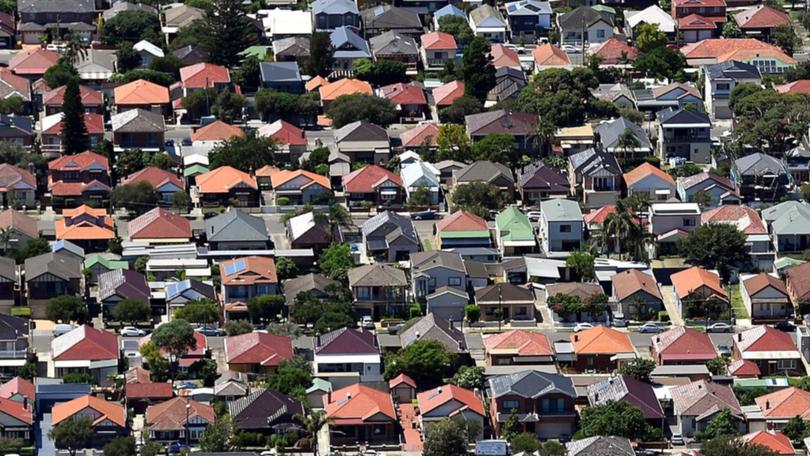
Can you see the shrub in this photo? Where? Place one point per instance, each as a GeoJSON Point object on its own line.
{"type": "Point", "coordinates": [283, 201]}
{"type": "Point", "coordinates": [472, 313]}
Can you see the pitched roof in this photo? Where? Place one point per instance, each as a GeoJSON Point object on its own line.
{"type": "Point", "coordinates": [235, 225]}
{"type": "Point", "coordinates": [404, 94]}
{"type": "Point", "coordinates": [264, 408]}
{"type": "Point", "coordinates": [18, 386]}
{"type": "Point", "coordinates": [740, 49]}
{"type": "Point", "coordinates": [519, 342]}
{"type": "Point", "coordinates": [698, 22]}
{"type": "Point", "coordinates": [528, 8]}
{"type": "Point", "coordinates": [387, 17]}
{"type": "Point", "coordinates": [11, 219]}
{"type": "Point", "coordinates": [400, 380]}
{"type": "Point", "coordinates": [361, 131]}
{"type": "Point", "coordinates": [149, 390]}
{"type": "Point", "coordinates": [502, 57]}
{"type": "Point", "coordinates": [358, 403]}
{"type": "Point", "coordinates": [281, 71]}
{"type": "Point", "coordinates": [347, 341]}
{"type": "Point", "coordinates": [85, 343]}
{"type": "Point", "coordinates": [156, 177]}
{"type": "Point", "coordinates": [800, 86]}
{"type": "Point", "coordinates": [60, 265]}
{"type": "Point", "coordinates": [372, 275]}
{"type": "Point", "coordinates": [598, 216]}
{"type": "Point", "coordinates": [689, 280]}
{"type": "Point", "coordinates": [743, 217]}
{"type": "Point", "coordinates": [624, 388]}
{"type": "Point", "coordinates": [84, 223]}
{"type": "Point", "coordinates": [761, 16]}
{"type": "Point", "coordinates": [591, 161]}
{"type": "Point", "coordinates": [438, 41]}
{"type": "Point", "coordinates": [446, 94]}
{"type": "Point", "coordinates": [88, 96]}
{"type": "Point", "coordinates": [743, 368]}
{"type": "Point", "coordinates": [500, 121]}
{"type": "Point", "coordinates": [315, 83]}
{"type": "Point", "coordinates": [368, 178]}
{"type": "Point", "coordinates": [86, 160]}
{"type": "Point", "coordinates": [440, 396]}
{"type": "Point", "coordinates": [217, 131]}
{"type": "Point", "coordinates": [773, 440]}
{"type": "Point", "coordinates": [248, 270]}
{"type": "Point", "coordinates": [334, 7]}
{"type": "Point", "coordinates": [631, 281]}
{"type": "Point", "coordinates": [159, 223]}
{"type": "Point", "coordinates": [425, 133]}
{"type": "Point", "coordinates": [797, 277]}
{"type": "Point", "coordinates": [704, 398]}
{"type": "Point", "coordinates": [611, 131]}
{"type": "Point", "coordinates": [584, 15]}
{"type": "Point", "coordinates": [172, 415]}
{"type": "Point", "coordinates": [785, 403]}
{"type": "Point", "coordinates": [13, 85]}
{"type": "Point", "coordinates": [764, 338]}
{"type": "Point", "coordinates": [126, 283]}
{"type": "Point", "coordinates": [433, 327]}
{"type": "Point", "coordinates": [613, 50]}
{"type": "Point", "coordinates": [141, 92]}
{"type": "Point", "coordinates": [503, 292]}
{"type": "Point", "coordinates": [549, 55]}
{"type": "Point", "coordinates": [599, 445]}
{"type": "Point", "coordinates": [138, 121]}
{"type": "Point", "coordinates": [513, 225]}
{"type": "Point", "coordinates": [695, 179]}
{"type": "Point", "coordinates": [258, 348]}
{"type": "Point", "coordinates": [333, 90]}
{"type": "Point", "coordinates": [559, 209]}
{"type": "Point", "coordinates": [531, 384]}
{"type": "Point", "coordinates": [201, 75]}
{"type": "Point", "coordinates": [647, 169]}
{"type": "Point", "coordinates": [223, 179]}
{"type": "Point", "coordinates": [601, 340]}
{"type": "Point", "coordinates": [392, 43]}
{"type": "Point", "coordinates": [111, 411]}
{"type": "Point", "coordinates": [283, 132]}
{"type": "Point", "coordinates": [461, 220]}
{"type": "Point", "coordinates": [483, 171]}
{"type": "Point", "coordinates": [33, 61]}
{"type": "Point", "coordinates": [306, 282]}
{"type": "Point", "coordinates": [681, 343]}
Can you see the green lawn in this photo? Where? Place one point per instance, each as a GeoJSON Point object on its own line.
{"type": "Point", "coordinates": [737, 303]}
{"type": "Point", "coordinates": [427, 244]}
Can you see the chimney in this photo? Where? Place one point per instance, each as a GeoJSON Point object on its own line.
{"type": "Point", "coordinates": [767, 405]}
{"type": "Point", "coordinates": [418, 335]}
{"type": "Point", "coordinates": [439, 390]}
{"type": "Point", "coordinates": [739, 337]}
{"type": "Point", "coordinates": [329, 396]}
{"type": "Point", "coordinates": [25, 402]}
{"type": "Point", "coordinates": [576, 337]}
{"type": "Point", "coordinates": [317, 339]}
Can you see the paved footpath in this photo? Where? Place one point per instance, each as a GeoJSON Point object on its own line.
{"type": "Point", "coordinates": [409, 422]}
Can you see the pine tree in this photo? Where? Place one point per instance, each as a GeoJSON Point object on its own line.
{"type": "Point", "coordinates": [74, 132]}
{"type": "Point", "coordinates": [228, 31]}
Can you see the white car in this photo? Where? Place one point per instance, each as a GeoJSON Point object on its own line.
{"type": "Point", "coordinates": [650, 327]}
{"type": "Point", "coordinates": [677, 439]}
{"type": "Point", "coordinates": [582, 327]}
{"type": "Point", "coordinates": [534, 216]}
{"type": "Point", "coordinates": [719, 328]}
{"type": "Point", "coordinates": [367, 322]}
{"type": "Point", "coordinates": [131, 331]}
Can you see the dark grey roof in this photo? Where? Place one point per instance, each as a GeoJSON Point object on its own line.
{"type": "Point", "coordinates": [126, 283]}
{"type": "Point", "coordinates": [683, 116]}
{"type": "Point", "coordinates": [120, 7]}
{"type": "Point", "coordinates": [433, 327]}
{"type": "Point", "coordinates": [500, 121]}
{"type": "Point", "coordinates": [12, 327]}
{"type": "Point", "coordinates": [505, 292]}
{"type": "Point", "coordinates": [424, 260]}
{"type": "Point", "coordinates": [391, 43]}
{"type": "Point", "coordinates": [348, 43]}
{"type": "Point", "coordinates": [60, 265]}
{"type": "Point", "coordinates": [56, 6]}
{"type": "Point", "coordinates": [531, 384]}
{"type": "Point", "coordinates": [540, 176]}
{"type": "Point", "coordinates": [263, 408]}
{"type": "Point", "coordinates": [190, 55]}
{"type": "Point", "coordinates": [628, 389]}
{"type": "Point", "coordinates": [8, 269]}
{"type": "Point", "coordinates": [591, 160]}
{"type": "Point", "coordinates": [361, 131]}
{"type": "Point", "coordinates": [390, 18]}
{"type": "Point", "coordinates": [296, 46]}
{"type": "Point", "coordinates": [758, 164]}
{"type": "Point", "coordinates": [138, 121]}
{"type": "Point", "coordinates": [393, 223]}
{"type": "Point", "coordinates": [280, 72]}
{"type": "Point", "coordinates": [610, 132]}
{"type": "Point", "coordinates": [334, 7]}
{"type": "Point", "coordinates": [15, 126]}
{"type": "Point", "coordinates": [600, 446]}
{"type": "Point", "coordinates": [306, 282]}
{"type": "Point", "coordinates": [483, 170]}
{"type": "Point", "coordinates": [733, 69]}
{"type": "Point", "coordinates": [235, 225]}
{"type": "Point", "coordinates": [584, 15]}
{"type": "Point", "coordinates": [509, 82]}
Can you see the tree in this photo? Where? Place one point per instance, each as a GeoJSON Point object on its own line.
{"type": "Point", "coordinates": [121, 446]}
{"type": "Point", "coordinates": [131, 26]}
{"type": "Point", "coordinates": [702, 198]}
{"type": "Point", "coordinates": [453, 142]}
{"type": "Point", "coordinates": [785, 37]}
{"type": "Point", "coordinates": [291, 375]}
{"type": "Point", "coordinates": [445, 438]}
{"type": "Point", "coordinates": [661, 63]}
{"type": "Point", "coordinates": [136, 198]}
{"type": "Point", "coordinates": [181, 201]}
{"type": "Point", "coordinates": [469, 377]}
{"type": "Point", "coordinates": [204, 369]}
{"type": "Point", "coordinates": [351, 108]}
{"type": "Point", "coordinates": [271, 105]}
{"type": "Point", "coordinates": [497, 148]}
{"type": "Point", "coordinates": [66, 309]}
{"type": "Point", "coordinates": [202, 311]}
{"type": "Point", "coordinates": [60, 74]}
{"type": "Point", "coordinates": [175, 338]}
{"type": "Point", "coordinates": [237, 327]}
{"type": "Point", "coordinates": [458, 27]}
{"type": "Point", "coordinates": [472, 313]}
{"type": "Point", "coordinates": [477, 70]}
{"type": "Point", "coordinates": [73, 434]}
{"type": "Point", "coordinates": [768, 119]}
{"type": "Point", "coordinates": [525, 442]}
{"type": "Point", "coordinates": [312, 422]}
{"type": "Point", "coordinates": [717, 366]}
{"type": "Point", "coordinates": [628, 141]}
{"type": "Point", "coordinates": [32, 248]}
{"type": "Point", "coordinates": [28, 371]}
{"type": "Point", "coordinates": [218, 436]}
{"type": "Point", "coordinates": [198, 103]}
{"type": "Point", "coordinates": [478, 198]}
{"type": "Point", "coordinates": [722, 423]}
{"type": "Point", "coordinates": [724, 446]}
{"type": "Point", "coordinates": [131, 311]}
{"type": "Point", "coordinates": [648, 37]}
{"type": "Point", "coordinates": [614, 418]}
{"type": "Point", "coordinates": [380, 72]}
{"type": "Point", "coordinates": [321, 55]}
{"type": "Point", "coordinates": [459, 109]}
{"type": "Point", "coordinates": [286, 268]}
{"type": "Point", "coordinates": [639, 368]}
{"type": "Point", "coordinates": [795, 429]}
{"type": "Point", "coordinates": [714, 246]}
{"type": "Point", "coordinates": [419, 196]}
{"type": "Point", "coordinates": [265, 307]}
{"type": "Point", "coordinates": [511, 427]}
{"type": "Point", "coordinates": [581, 264]}
{"type": "Point", "coordinates": [152, 449]}
{"type": "Point", "coordinates": [228, 106]}
{"type": "Point", "coordinates": [168, 64]}
{"type": "Point", "coordinates": [74, 132]}
{"type": "Point", "coordinates": [731, 30]}
{"type": "Point", "coordinates": [563, 97]}
{"type": "Point", "coordinates": [335, 261]}
{"type": "Point", "coordinates": [11, 105]}
{"type": "Point", "coordinates": [128, 58]}
{"type": "Point", "coordinates": [339, 215]}
{"type": "Point", "coordinates": [158, 365]}
{"type": "Point", "coordinates": [249, 74]}
{"type": "Point", "coordinates": [247, 154]}
{"type": "Point", "coordinates": [227, 30]}
{"type": "Point", "coordinates": [425, 361]}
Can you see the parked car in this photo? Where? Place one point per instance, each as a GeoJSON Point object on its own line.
{"type": "Point", "coordinates": [582, 327]}
{"type": "Point", "coordinates": [176, 447]}
{"type": "Point", "coordinates": [131, 331]}
{"type": "Point", "coordinates": [423, 215]}
{"type": "Point", "coordinates": [618, 320]}
{"type": "Point", "coordinates": [724, 350]}
{"type": "Point", "coordinates": [719, 327]}
{"type": "Point", "coordinates": [367, 322]}
{"type": "Point", "coordinates": [785, 326]}
{"type": "Point", "coordinates": [650, 327]}
{"type": "Point", "coordinates": [208, 331]}
{"type": "Point", "coordinates": [61, 329]}
{"type": "Point", "coordinates": [677, 439]}
{"type": "Point", "coordinates": [534, 216]}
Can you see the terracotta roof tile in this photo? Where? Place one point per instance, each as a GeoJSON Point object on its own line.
{"type": "Point", "coordinates": [764, 339]}
{"type": "Point", "coordinates": [89, 97]}
{"type": "Point", "coordinates": [155, 176]}
{"type": "Point", "coordinates": [797, 277]}
{"type": "Point", "coordinates": [15, 83]}
{"type": "Point", "coordinates": [704, 397]}
{"type": "Point", "coordinates": [17, 410]}
{"type": "Point", "coordinates": [689, 280]}
{"type": "Point", "coordinates": [438, 397]}
{"type": "Point", "coordinates": [698, 3]}
{"type": "Point", "coordinates": [612, 50]}
{"type": "Point", "coordinates": [800, 86]}
{"type": "Point", "coordinates": [141, 92]}
{"type": "Point", "coordinates": [419, 135]}
{"type": "Point", "coordinates": [358, 403]}
{"type": "Point", "coordinates": [33, 61]}
{"type": "Point", "coordinates": [367, 178]}
{"type": "Point", "coordinates": [217, 131]}
{"type": "Point", "coordinates": [550, 55]}
{"type": "Point", "coordinates": [698, 22]}
{"type": "Point", "coordinates": [85, 343]}
{"type": "Point", "coordinates": [744, 368]}
{"type": "Point", "coordinates": [598, 216]}
{"type": "Point", "coordinates": [785, 403]}
{"type": "Point", "coordinates": [743, 217]}
{"type": "Point", "coordinates": [520, 343]}
{"type": "Point", "coordinates": [282, 176]}
{"type": "Point", "coordinates": [684, 344]}
{"type": "Point", "coordinates": [401, 379]}
{"type": "Point", "coordinates": [283, 132]}
{"type": "Point", "coordinates": [258, 348]}
{"type": "Point", "coordinates": [18, 385]}
{"type": "Point", "coordinates": [148, 390]}
{"type": "Point", "coordinates": [171, 415]}
{"type": "Point", "coordinates": [20, 222]}
{"type": "Point", "coordinates": [754, 285]}
{"type": "Point", "coordinates": [249, 270]}
{"type": "Point", "coordinates": [461, 220]}
{"type": "Point", "coordinates": [404, 94]}
{"type": "Point", "coordinates": [627, 283]}
{"type": "Point", "coordinates": [446, 94]}
{"type": "Point", "coordinates": [94, 123]}
{"type": "Point", "coordinates": [773, 440]}
{"type": "Point", "coordinates": [336, 89]}
{"type": "Point", "coordinates": [84, 223]}
{"type": "Point", "coordinates": [112, 411]}
{"type": "Point", "coordinates": [201, 75]}
{"type": "Point", "coordinates": [761, 16]}
{"type": "Point", "coordinates": [601, 340]}
{"type": "Point", "coordinates": [644, 170]}
{"type": "Point", "coordinates": [726, 49]}
{"type": "Point", "coordinates": [315, 83]}
{"type": "Point", "coordinates": [438, 41]}
{"type": "Point", "coordinates": [502, 56]}
{"type": "Point", "coordinates": [79, 162]}
{"type": "Point", "coordinates": [159, 223]}
{"type": "Point", "coordinates": [62, 188]}
{"type": "Point", "coordinates": [222, 179]}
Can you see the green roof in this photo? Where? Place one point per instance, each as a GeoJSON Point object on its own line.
{"type": "Point", "coordinates": [108, 263]}
{"type": "Point", "coordinates": [464, 234]}
{"type": "Point", "coordinates": [604, 9]}
{"type": "Point", "coordinates": [514, 225]}
{"type": "Point", "coordinates": [786, 262]}
{"type": "Point", "coordinates": [194, 170]}
{"type": "Point", "coordinates": [319, 384]}
{"type": "Point", "coordinates": [773, 382]}
{"type": "Point", "coordinates": [258, 51]}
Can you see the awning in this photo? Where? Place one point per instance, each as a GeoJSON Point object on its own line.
{"type": "Point", "coordinates": [663, 191]}
{"type": "Point", "coordinates": [768, 355]}
{"type": "Point", "coordinates": [12, 362]}
{"type": "Point", "coordinates": [72, 363]}
{"type": "Point", "coordinates": [620, 356]}
{"type": "Point", "coordinates": [388, 191]}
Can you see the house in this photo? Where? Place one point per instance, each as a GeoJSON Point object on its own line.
{"type": "Point", "coordinates": [8, 31]}
{"type": "Point", "coordinates": [330, 14]}
{"type": "Point", "coordinates": [86, 350]}
{"type": "Point", "coordinates": [488, 22]}
{"type": "Point", "coordinates": [548, 56]}
{"type": "Point", "coordinates": [446, 94]}
{"type": "Point", "coordinates": [422, 135]}
{"type": "Point", "coordinates": [767, 58]}
{"type": "Point", "coordinates": [159, 226]}
{"type": "Point", "coordinates": [17, 420]}
{"type": "Point", "coordinates": [231, 386]}
{"type": "Point", "coordinates": [595, 219]}
{"type": "Point", "coordinates": [509, 81]}
{"type": "Point", "coordinates": [675, 95]}
{"type": "Point", "coordinates": [695, 404]}
{"type": "Point", "coordinates": [9, 280]}
{"type": "Point", "coordinates": [761, 177]}
{"type": "Point", "coordinates": [721, 79]}
{"type": "Point", "coordinates": [178, 294]}
{"type": "Point", "coordinates": [682, 345]}
{"type": "Point", "coordinates": [108, 419]}
{"type": "Point", "coordinates": [32, 63]}
{"type": "Point", "coordinates": [257, 352]}
{"type": "Point", "coordinates": [774, 351]}
{"type": "Point", "coordinates": [51, 132]}
{"type": "Point", "coordinates": [599, 445]}
{"type": "Point", "coordinates": [514, 233]}
{"type": "Point", "coordinates": [766, 298]}
{"type": "Point", "coordinates": [504, 57]}
{"type": "Point", "coordinates": [613, 138]}
{"type": "Point", "coordinates": [496, 174]}
{"type": "Point", "coordinates": [419, 175]}
{"type": "Point", "coordinates": [614, 52]}
{"type": "Point", "coordinates": [696, 285]}
{"type": "Point", "coordinates": [148, 52]}
{"type": "Point", "coordinates": [49, 275]}
{"type": "Point", "coordinates": [601, 349]}
{"type": "Point", "coordinates": [392, 45]}
{"type": "Point", "coordinates": [204, 75]}
{"type": "Point", "coordinates": [98, 264]}
{"type": "Point", "coordinates": [434, 327]}
{"type": "Point", "coordinates": [227, 186]}
{"type": "Point", "coordinates": [798, 288]}
{"type": "Point", "coordinates": [521, 125]}
{"type": "Point", "coordinates": [165, 183]}
{"type": "Point", "coordinates": [378, 290]}
{"type": "Point", "coordinates": [280, 23]}
{"type": "Point", "coordinates": [505, 302]}
{"type": "Point", "coordinates": [348, 352]}
{"type": "Point", "coordinates": [236, 230]}
{"type": "Point", "coordinates": [384, 18]}
{"type": "Point", "coordinates": [281, 77]}
{"type": "Point", "coordinates": [246, 277]}
{"type": "Point", "coordinates": [561, 227]}
{"type": "Point", "coordinates": [409, 100]}
{"type": "Point", "coordinates": [18, 187]}
{"type": "Point", "coordinates": [329, 92]}
{"type": "Point", "coordinates": [624, 388]}
{"type": "Point", "coordinates": [747, 220]}
{"type": "Point", "coordinates": [86, 227]}
{"type": "Point", "coordinates": [305, 232]}
{"type": "Point", "coordinates": [290, 140]}
{"type": "Point", "coordinates": [719, 189]}
{"type": "Point", "coordinates": [17, 130]}
{"type": "Point", "coordinates": [618, 93]}
{"type": "Point", "coordinates": [597, 26]}
{"type": "Point", "coordinates": [652, 182]}
{"type": "Point", "coordinates": [92, 100]}
{"type": "Point", "coordinates": [264, 411]}
{"type": "Point", "coordinates": [390, 236]}
{"type": "Point", "coordinates": [461, 229]}
{"type": "Point", "coordinates": [448, 401]}
{"type": "Point", "coordinates": [169, 421]}
{"type": "Point", "coordinates": [637, 294]}
{"type": "Point", "coordinates": [437, 49]}
{"type": "Point", "coordinates": [291, 49]}
{"type": "Point", "coordinates": [14, 333]}
{"type": "Point", "coordinates": [120, 284]}
{"type": "Point", "coordinates": [760, 21]}
{"type": "Point", "coordinates": [349, 46]}
{"type": "Point", "coordinates": [774, 441]}
{"type": "Point", "coordinates": [688, 13]}
{"type": "Point", "coordinates": [375, 186]}
{"type": "Point", "coordinates": [12, 85]}
{"type": "Point", "coordinates": [142, 94]}
{"type": "Point", "coordinates": [543, 402]}
{"type": "Point", "coordinates": [190, 55]}
{"type": "Point", "coordinates": [180, 16]}
{"type": "Point", "coordinates": [518, 346]}
{"type": "Point", "coordinates": [360, 413]}
{"type": "Point", "coordinates": [96, 66]}
{"type": "Point", "coordinates": [778, 407]}
{"type": "Point", "coordinates": [529, 19]}
{"type": "Point", "coordinates": [789, 224]}
{"type": "Point", "coordinates": [670, 221]}
{"type": "Point", "coordinates": [363, 142]}
{"type": "Point", "coordinates": [447, 10]}
{"type": "Point", "coordinates": [18, 389]}
{"type": "Point", "coordinates": [431, 271]}
{"type": "Point", "coordinates": [138, 129]}
{"type": "Point", "coordinates": [595, 176]}
{"type": "Point", "coordinates": [653, 15]}
{"type": "Point", "coordinates": [402, 388]}
{"type": "Point", "coordinates": [316, 285]}
{"type": "Point", "coordinates": [686, 134]}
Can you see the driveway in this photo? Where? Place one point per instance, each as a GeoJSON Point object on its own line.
{"type": "Point", "coordinates": [671, 307]}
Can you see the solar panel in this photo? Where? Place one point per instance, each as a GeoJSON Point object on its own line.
{"type": "Point", "coordinates": [171, 290]}
{"type": "Point", "coordinates": [511, 8]}
{"type": "Point", "coordinates": [379, 10]}
{"type": "Point", "coordinates": [239, 266]}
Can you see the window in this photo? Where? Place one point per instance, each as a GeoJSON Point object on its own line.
{"type": "Point", "coordinates": [724, 86]}
{"type": "Point", "coordinates": [600, 33]}
{"type": "Point", "coordinates": [786, 364]}
{"type": "Point", "coordinates": [362, 293]}
{"type": "Point", "coordinates": [565, 228]}
{"type": "Point", "coordinates": [454, 281]}
{"type": "Point", "coordinates": [688, 222]}
{"type": "Point", "coordinates": [510, 405]}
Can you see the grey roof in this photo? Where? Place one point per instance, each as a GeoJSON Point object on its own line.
{"type": "Point", "coordinates": [395, 224]}
{"type": "Point", "coordinates": [68, 248]}
{"type": "Point", "coordinates": [15, 126]}
{"type": "Point", "coordinates": [60, 265]}
{"type": "Point", "coordinates": [733, 69]}
{"type": "Point", "coordinates": [120, 7]}
{"type": "Point", "coordinates": [758, 164]}
{"type": "Point", "coordinates": [190, 54]}
{"type": "Point", "coordinates": [527, 8]}
{"type": "Point", "coordinates": [12, 327]}
{"type": "Point", "coordinates": [391, 18]}
{"type": "Point", "coordinates": [500, 121]}
{"type": "Point", "coordinates": [612, 92]}
{"type": "Point", "coordinates": [263, 408]}
{"type": "Point", "coordinates": [600, 446]}
{"type": "Point", "coordinates": [487, 16]}
{"type": "Point", "coordinates": [476, 269]}
{"type": "Point", "coordinates": [280, 72]}
{"type": "Point", "coordinates": [531, 384]}
{"type": "Point", "coordinates": [563, 210]}
{"type": "Point", "coordinates": [448, 10]}
{"type": "Point", "coordinates": [348, 44]}
{"type": "Point", "coordinates": [377, 275]}
{"type": "Point", "coordinates": [361, 131]}
{"type": "Point", "coordinates": [626, 388]}
{"type": "Point", "coordinates": [421, 261]}
{"type": "Point", "coordinates": [296, 46]}
{"type": "Point", "coordinates": [790, 217]}
{"type": "Point", "coordinates": [182, 15]}
{"type": "Point", "coordinates": [683, 116]}
{"type": "Point", "coordinates": [126, 283]}
{"type": "Point", "coordinates": [306, 282]}
{"type": "Point", "coordinates": [584, 15]}
{"type": "Point", "coordinates": [541, 176]}
{"type": "Point", "coordinates": [509, 82]}
{"type": "Point", "coordinates": [8, 269]}
{"type": "Point", "coordinates": [138, 121]}
{"type": "Point", "coordinates": [334, 7]}
{"type": "Point", "coordinates": [483, 170]}
{"type": "Point", "coordinates": [393, 43]}
{"type": "Point", "coordinates": [591, 160]}
{"type": "Point", "coordinates": [235, 225]}
{"type": "Point", "coordinates": [433, 327]}
{"type": "Point", "coordinates": [610, 132]}
{"type": "Point", "coordinates": [56, 6]}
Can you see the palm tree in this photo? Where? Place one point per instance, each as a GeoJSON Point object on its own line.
{"type": "Point", "coordinates": [75, 50]}
{"type": "Point", "coordinates": [627, 140]}
{"type": "Point", "coordinates": [313, 422]}
{"type": "Point", "coordinates": [617, 225]}
{"type": "Point", "coordinates": [543, 135]}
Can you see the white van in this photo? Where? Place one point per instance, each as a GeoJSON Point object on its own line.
{"type": "Point", "coordinates": [61, 329]}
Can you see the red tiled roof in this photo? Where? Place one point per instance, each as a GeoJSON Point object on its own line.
{"type": "Point", "coordinates": [760, 17]}
{"type": "Point", "coordinates": [684, 344]}
{"type": "Point", "coordinates": [598, 216]}
{"type": "Point", "coordinates": [401, 379]}
{"type": "Point", "coordinates": [62, 188]}
{"type": "Point", "coordinates": [85, 343]}
{"type": "Point", "coordinates": [249, 270]}
{"type": "Point", "coordinates": [333, 90]}
{"type": "Point", "coordinates": [699, 3]}
{"type": "Point", "coordinates": [17, 410]}
{"type": "Point", "coordinates": [442, 395]}
{"type": "Point", "coordinates": [367, 178]}
{"type": "Point", "coordinates": [446, 94]}
{"type": "Point", "coordinates": [601, 340]}
{"type": "Point", "coordinates": [222, 179]}
{"type": "Point", "coordinates": [79, 162]}
{"type": "Point", "coordinates": [612, 50]}
{"type": "Point", "coordinates": [438, 41]}
{"type": "Point", "coordinates": [785, 403]}
{"type": "Point", "coordinates": [94, 123]}
{"type": "Point", "coordinates": [773, 440]}
{"type": "Point", "coordinates": [134, 391]}
{"type": "Point", "coordinates": [519, 342]}
{"type": "Point", "coordinates": [743, 217]}
{"type": "Point", "coordinates": [141, 92]}
{"type": "Point", "coordinates": [217, 131]}
{"type": "Point", "coordinates": [419, 135]}
{"type": "Point", "coordinates": [644, 170]}
{"type": "Point", "coordinates": [281, 176]}
{"type": "Point", "coordinates": [759, 282]}
{"type": "Point", "coordinates": [172, 414]}
{"type": "Point", "coordinates": [358, 403]}
{"type": "Point", "coordinates": [800, 86]}
{"type": "Point", "coordinates": [689, 280]}
{"type": "Point", "coordinates": [283, 132]}
{"type": "Point", "coordinates": [18, 385]}
{"type": "Point", "coordinates": [106, 410]}
{"type": "Point", "coordinates": [155, 176]}
{"type": "Point", "coordinates": [404, 94]}
{"type": "Point", "coordinates": [18, 83]}
{"type": "Point", "coordinates": [159, 223]}
{"type": "Point", "coordinates": [549, 55]}
{"type": "Point", "coordinates": [258, 348]}
{"type": "Point", "coordinates": [698, 22]}
{"type": "Point", "coordinates": [764, 339]}
{"type": "Point", "coordinates": [797, 278]}
{"type": "Point", "coordinates": [201, 75]}
{"type": "Point", "coordinates": [744, 368]}
{"type": "Point", "coordinates": [628, 283]}
{"type": "Point", "coordinates": [461, 220]}
{"type": "Point", "coordinates": [502, 56]}
{"type": "Point", "coordinates": [56, 96]}
{"type": "Point", "coordinates": [33, 61]}
{"type": "Point", "coordinates": [741, 49]}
